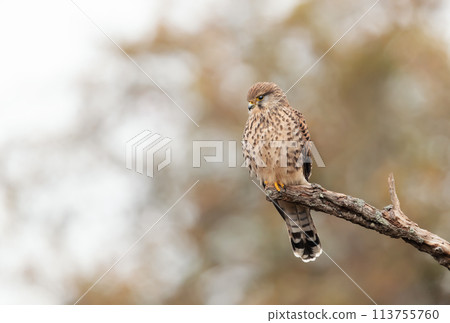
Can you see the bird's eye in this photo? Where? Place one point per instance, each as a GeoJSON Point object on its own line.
{"type": "Point", "coordinates": [260, 97]}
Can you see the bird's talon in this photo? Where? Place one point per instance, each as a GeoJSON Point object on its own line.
{"type": "Point", "coordinates": [276, 186]}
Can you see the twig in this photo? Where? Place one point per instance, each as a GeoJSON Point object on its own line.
{"type": "Point", "coordinates": [390, 221]}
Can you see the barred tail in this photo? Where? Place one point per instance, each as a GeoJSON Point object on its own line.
{"type": "Point", "coordinates": [302, 232]}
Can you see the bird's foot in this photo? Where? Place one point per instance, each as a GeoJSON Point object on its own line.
{"type": "Point", "coordinates": [277, 185]}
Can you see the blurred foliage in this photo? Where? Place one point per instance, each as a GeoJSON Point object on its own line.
{"type": "Point", "coordinates": [377, 103]}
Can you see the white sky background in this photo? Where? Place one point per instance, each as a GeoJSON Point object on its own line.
{"type": "Point", "coordinates": [47, 47]}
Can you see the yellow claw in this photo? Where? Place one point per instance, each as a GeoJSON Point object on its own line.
{"type": "Point", "coordinates": [276, 186]}
{"type": "Point", "coordinates": [282, 185]}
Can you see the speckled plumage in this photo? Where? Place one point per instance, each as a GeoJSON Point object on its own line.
{"type": "Point", "coordinates": [276, 147]}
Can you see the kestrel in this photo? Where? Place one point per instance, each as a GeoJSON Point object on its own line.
{"type": "Point", "coordinates": [276, 146]}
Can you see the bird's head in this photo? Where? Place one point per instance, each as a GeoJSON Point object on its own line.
{"type": "Point", "coordinates": [265, 95]}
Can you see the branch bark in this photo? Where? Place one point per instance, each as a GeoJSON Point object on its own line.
{"type": "Point", "coordinates": [390, 221]}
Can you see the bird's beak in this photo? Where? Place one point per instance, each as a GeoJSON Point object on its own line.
{"type": "Point", "coordinates": [251, 105]}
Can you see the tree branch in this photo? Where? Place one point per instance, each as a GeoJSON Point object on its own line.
{"type": "Point", "coordinates": [390, 221]}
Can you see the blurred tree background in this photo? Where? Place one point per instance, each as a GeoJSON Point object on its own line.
{"type": "Point", "coordinates": [377, 103]}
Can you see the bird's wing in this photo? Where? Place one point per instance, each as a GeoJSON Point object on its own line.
{"type": "Point", "coordinates": [305, 139]}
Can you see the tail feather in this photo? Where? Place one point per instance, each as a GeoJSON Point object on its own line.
{"type": "Point", "coordinates": [302, 232]}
